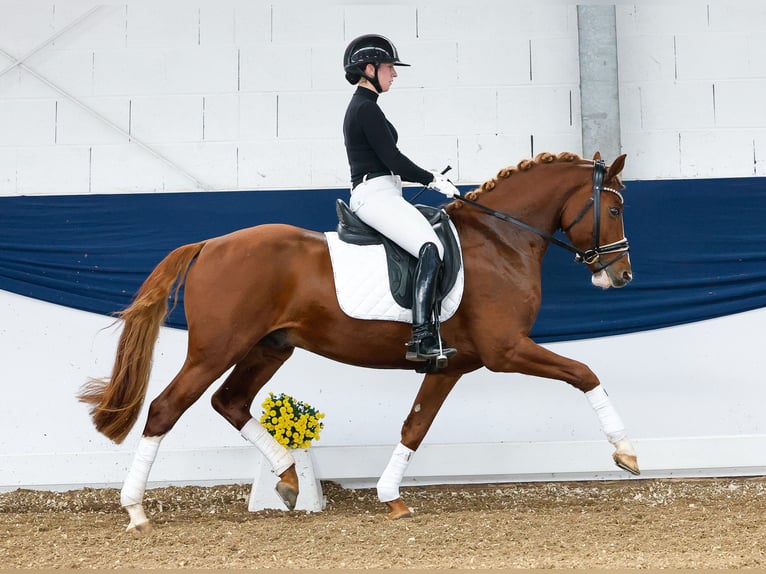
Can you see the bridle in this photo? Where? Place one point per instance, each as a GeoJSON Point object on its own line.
{"type": "Point", "coordinates": [590, 256]}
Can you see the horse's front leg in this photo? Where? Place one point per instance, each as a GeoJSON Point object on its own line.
{"type": "Point", "coordinates": [531, 359]}
{"type": "Point", "coordinates": [433, 390]}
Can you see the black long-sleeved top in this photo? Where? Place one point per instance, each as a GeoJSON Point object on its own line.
{"type": "Point", "coordinates": [371, 142]}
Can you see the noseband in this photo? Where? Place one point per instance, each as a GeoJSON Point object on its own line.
{"type": "Point", "coordinates": [592, 255]}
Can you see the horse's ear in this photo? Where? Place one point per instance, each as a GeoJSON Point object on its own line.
{"type": "Point", "coordinates": [597, 156]}
{"type": "Point", "coordinates": [616, 168]}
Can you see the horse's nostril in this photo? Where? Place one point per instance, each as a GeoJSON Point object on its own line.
{"type": "Point", "coordinates": [627, 276]}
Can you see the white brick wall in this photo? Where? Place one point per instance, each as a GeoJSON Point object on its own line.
{"type": "Point", "coordinates": [250, 93]}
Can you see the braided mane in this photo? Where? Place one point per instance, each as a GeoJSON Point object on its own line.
{"type": "Point", "coordinates": [506, 172]}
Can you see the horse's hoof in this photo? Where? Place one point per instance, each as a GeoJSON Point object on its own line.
{"type": "Point", "coordinates": [140, 530]}
{"type": "Point", "coordinates": [287, 487]}
{"type": "Point", "coordinates": [626, 462]}
{"type": "Point", "coordinates": [398, 510]}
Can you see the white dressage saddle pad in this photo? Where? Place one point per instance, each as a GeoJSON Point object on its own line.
{"type": "Point", "coordinates": [361, 283]}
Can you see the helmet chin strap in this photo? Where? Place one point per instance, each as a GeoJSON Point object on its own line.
{"type": "Point", "coordinates": [374, 80]}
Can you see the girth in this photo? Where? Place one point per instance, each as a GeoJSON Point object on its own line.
{"type": "Point", "coordinates": [401, 265]}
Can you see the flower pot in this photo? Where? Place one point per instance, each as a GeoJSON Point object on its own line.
{"type": "Point", "coordinates": [263, 495]}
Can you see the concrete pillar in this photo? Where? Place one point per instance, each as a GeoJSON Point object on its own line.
{"type": "Point", "coordinates": [599, 89]}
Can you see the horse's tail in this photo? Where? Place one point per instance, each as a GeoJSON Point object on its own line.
{"type": "Point", "coordinates": [117, 401]}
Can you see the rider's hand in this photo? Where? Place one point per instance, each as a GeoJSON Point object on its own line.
{"type": "Point", "coordinates": [441, 184]}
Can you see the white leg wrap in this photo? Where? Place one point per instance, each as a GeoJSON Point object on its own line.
{"type": "Point", "coordinates": [388, 484]}
{"type": "Point", "coordinates": [611, 423]}
{"type": "Point", "coordinates": [277, 455]}
{"type": "Point", "coordinates": [135, 483]}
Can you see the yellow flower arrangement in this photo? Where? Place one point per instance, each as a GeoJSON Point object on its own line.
{"type": "Point", "coordinates": [293, 423]}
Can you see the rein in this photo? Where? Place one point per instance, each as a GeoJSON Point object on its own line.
{"type": "Point", "coordinates": [593, 254]}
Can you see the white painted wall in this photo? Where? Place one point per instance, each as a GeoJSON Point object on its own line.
{"type": "Point", "coordinates": [250, 94]}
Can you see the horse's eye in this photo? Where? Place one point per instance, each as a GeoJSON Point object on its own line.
{"type": "Point", "coordinates": [615, 211]}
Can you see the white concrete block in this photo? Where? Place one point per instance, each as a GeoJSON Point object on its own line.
{"type": "Point", "coordinates": [217, 24]}
{"type": "Point", "coordinates": [25, 25]}
{"type": "Point", "coordinates": [652, 155]}
{"type": "Point", "coordinates": [77, 125]}
{"type": "Point", "coordinates": [646, 58]}
{"type": "Point", "coordinates": [129, 168]}
{"type": "Point", "coordinates": [166, 119]}
{"type": "Point", "coordinates": [433, 64]}
{"type": "Point", "coordinates": [53, 170]}
{"type": "Point", "coordinates": [712, 56]}
{"type": "Point", "coordinates": [8, 171]}
{"type": "Point", "coordinates": [270, 68]}
{"type": "Point", "coordinates": [276, 164]}
{"type": "Point", "coordinates": [557, 142]}
{"type": "Point", "coordinates": [493, 20]}
{"type": "Point", "coordinates": [329, 166]}
{"type": "Point", "coordinates": [739, 17]}
{"type": "Point", "coordinates": [69, 70]}
{"type": "Point", "coordinates": [661, 18]}
{"type": "Point", "coordinates": [719, 153]}
{"type": "Point", "coordinates": [327, 67]}
{"type": "Point", "coordinates": [103, 28]}
{"type": "Point", "coordinates": [500, 63]}
{"type": "Point", "coordinates": [481, 157]}
{"type": "Point", "coordinates": [405, 109]}
{"type": "Point", "coordinates": [531, 108]}
{"type": "Point", "coordinates": [555, 60]}
{"type": "Point", "coordinates": [309, 23]}
{"type": "Point", "coordinates": [759, 151]}
{"type": "Point", "coordinates": [252, 23]}
{"type": "Point", "coordinates": [212, 164]}
{"type": "Point", "coordinates": [27, 122]}
{"type": "Point", "coordinates": [240, 117]}
{"type": "Point", "coordinates": [162, 24]}
{"type": "Point", "coordinates": [307, 115]}
{"type": "Point", "coordinates": [397, 22]}
{"type": "Point", "coordinates": [193, 70]}
{"type": "Point", "coordinates": [740, 103]}
{"type": "Point", "coordinates": [677, 106]}
{"type": "Point", "coordinates": [463, 111]}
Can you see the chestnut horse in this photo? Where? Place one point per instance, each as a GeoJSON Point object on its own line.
{"type": "Point", "coordinates": [254, 295]}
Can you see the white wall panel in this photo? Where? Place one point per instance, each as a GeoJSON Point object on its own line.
{"type": "Point", "coordinates": [648, 58]}
{"type": "Point", "coordinates": [252, 22]}
{"type": "Point", "coordinates": [307, 23]}
{"type": "Point", "coordinates": [652, 155]}
{"type": "Point", "coordinates": [395, 21]}
{"type": "Point", "coordinates": [505, 62]}
{"type": "Point", "coordinates": [706, 154]}
{"type": "Point", "coordinates": [466, 111]}
{"type": "Point", "coordinates": [652, 18]}
{"type": "Point", "coordinates": [70, 70]}
{"type": "Point", "coordinates": [307, 115]}
{"type": "Point", "coordinates": [105, 28]}
{"type": "Point", "coordinates": [25, 25]}
{"type": "Point", "coordinates": [167, 118]}
{"type": "Point", "coordinates": [741, 103]}
{"type": "Point", "coordinates": [162, 24]}
{"type": "Point", "coordinates": [76, 125]}
{"type": "Point", "coordinates": [128, 168]}
{"type": "Point", "coordinates": [65, 171]}
{"type": "Point", "coordinates": [677, 106]}
{"type": "Point", "coordinates": [8, 171]}
{"type": "Point", "coordinates": [705, 56]}
{"type": "Point", "coordinates": [481, 157]}
{"type": "Point", "coordinates": [561, 107]}
{"type": "Point", "coordinates": [25, 122]}
{"type": "Point", "coordinates": [555, 61]}
{"type": "Point", "coordinates": [271, 164]}
{"type": "Point", "coordinates": [271, 68]}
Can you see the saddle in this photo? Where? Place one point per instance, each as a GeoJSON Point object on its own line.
{"type": "Point", "coordinates": [401, 265]}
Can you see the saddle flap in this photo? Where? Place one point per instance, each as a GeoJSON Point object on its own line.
{"type": "Point", "coordinates": [401, 265]}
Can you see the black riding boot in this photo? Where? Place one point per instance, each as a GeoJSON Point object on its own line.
{"type": "Point", "coordinates": [425, 340]}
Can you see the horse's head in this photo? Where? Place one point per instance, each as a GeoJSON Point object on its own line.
{"type": "Point", "coordinates": [592, 219]}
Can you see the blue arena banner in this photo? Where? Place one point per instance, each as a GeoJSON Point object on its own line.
{"type": "Point", "coordinates": [698, 249]}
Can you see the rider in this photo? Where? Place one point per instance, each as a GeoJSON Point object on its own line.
{"type": "Point", "coordinates": [377, 170]}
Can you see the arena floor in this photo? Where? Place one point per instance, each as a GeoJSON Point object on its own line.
{"type": "Point", "coordinates": [642, 524]}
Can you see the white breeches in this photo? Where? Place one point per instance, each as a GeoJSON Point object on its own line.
{"type": "Point", "coordinates": [380, 204]}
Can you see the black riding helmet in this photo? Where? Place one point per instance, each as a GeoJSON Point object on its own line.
{"type": "Point", "coordinates": [369, 49]}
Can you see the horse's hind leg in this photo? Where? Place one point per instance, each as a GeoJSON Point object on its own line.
{"type": "Point", "coordinates": [187, 386]}
{"type": "Point", "coordinates": [233, 401]}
